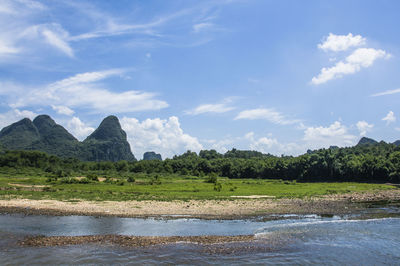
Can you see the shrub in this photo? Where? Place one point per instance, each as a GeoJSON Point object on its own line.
{"type": "Point", "coordinates": [84, 181]}
{"type": "Point", "coordinates": [217, 186]}
{"type": "Point", "coordinates": [131, 179]}
{"type": "Point", "coordinates": [51, 179]}
{"type": "Point", "coordinates": [92, 176]}
{"type": "Point", "coordinates": [69, 180]}
{"type": "Point", "coordinates": [155, 180]}
{"type": "Point", "coordinates": [212, 178]}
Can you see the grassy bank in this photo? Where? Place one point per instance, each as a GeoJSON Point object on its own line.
{"type": "Point", "coordinates": [163, 187]}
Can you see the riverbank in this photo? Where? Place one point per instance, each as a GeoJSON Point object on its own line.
{"type": "Point", "coordinates": [337, 204]}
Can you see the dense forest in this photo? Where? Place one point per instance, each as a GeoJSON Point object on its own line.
{"type": "Point", "coordinates": [378, 162]}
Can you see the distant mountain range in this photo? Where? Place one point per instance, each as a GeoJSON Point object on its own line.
{"type": "Point", "coordinates": [369, 141]}
{"type": "Point", "coordinates": [107, 143]}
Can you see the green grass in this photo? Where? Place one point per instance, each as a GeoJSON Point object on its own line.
{"type": "Point", "coordinates": [171, 187]}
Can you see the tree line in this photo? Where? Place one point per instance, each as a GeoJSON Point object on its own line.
{"type": "Point", "coordinates": [364, 163]}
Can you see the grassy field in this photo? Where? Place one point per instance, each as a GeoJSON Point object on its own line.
{"type": "Point", "coordinates": [163, 187]}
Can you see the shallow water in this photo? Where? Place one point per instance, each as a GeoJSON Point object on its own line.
{"type": "Point", "coordinates": [305, 240]}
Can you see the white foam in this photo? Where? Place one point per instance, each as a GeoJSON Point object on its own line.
{"type": "Point", "coordinates": [270, 229]}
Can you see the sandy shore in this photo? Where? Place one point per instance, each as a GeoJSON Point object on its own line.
{"type": "Point", "coordinates": [206, 209]}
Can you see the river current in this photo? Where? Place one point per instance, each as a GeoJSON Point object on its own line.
{"type": "Point", "coordinates": [289, 239]}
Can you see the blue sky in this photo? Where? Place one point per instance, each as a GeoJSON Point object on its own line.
{"type": "Point", "coordinates": [275, 76]}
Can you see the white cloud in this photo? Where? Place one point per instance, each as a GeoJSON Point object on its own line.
{"type": "Point", "coordinates": [202, 26]}
{"type": "Point", "coordinates": [14, 115]}
{"type": "Point", "coordinates": [323, 137]}
{"type": "Point", "coordinates": [63, 110]}
{"type": "Point", "coordinates": [388, 92]}
{"type": "Point", "coordinates": [364, 127]}
{"type": "Point", "coordinates": [78, 128]}
{"type": "Point", "coordinates": [222, 107]}
{"type": "Point", "coordinates": [57, 41]}
{"type": "Point", "coordinates": [159, 135]}
{"type": "Point", "coordinates": [360, 58]}
{"type": "Point", "coordinates": [6, 49]}
{"type": "Point", "coordinates": [86, 78]}
{"type": "Point", "coordinates": [23, 31]}
{"type": "Point", "coordinates": [272, 145]}
{"type": "Point", "coordinates": [53, 34]}
{"type": "Point", "coordinates": [84, 91]}
{"type": "Point", "coordinates": [32, 4]}
{"type": "Point", "coordinates": [389, 118]}
{"type": "Point", "coordinates": [337, 43]}
{"type": "Point", "coordinates": [15, 7]}
{"type": "Point", "coordinates": [267, 114]}
{"type": "Point", "coordinates": [220, 146]}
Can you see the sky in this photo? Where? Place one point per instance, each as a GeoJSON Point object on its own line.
{"type": "Point", "coordinates": [279, 77]}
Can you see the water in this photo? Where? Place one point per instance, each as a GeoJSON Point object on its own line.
{"type": "Point", "coordinates": [304, 240]}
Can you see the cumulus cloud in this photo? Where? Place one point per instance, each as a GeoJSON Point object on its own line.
{"type": "Point", "coordinates": [323, 137]}
{"type": "Point", "coordinates": [163, 136]}
{"type": "Point", "coordinates": [63, 110]}
{"type": "Point", "coordinates": [389, 118]}
{"type": "Point", "coordinates": [84, 91]}
{"type": "Point", "coordinates": [337, 43]}
{"type": "Point", "coordinates": [266, 114]}
{"type": "Point", "coordinates": [222, 107]}
{"type": "Point", "coordinates": [14, 115]}
{"type": "Point", "coordinates": [360, 58]}
{"type": "Point", "coordinates": [388, 92]}
{"type": "Point", "coordinates": [364, 127]}
{"type": "Point", "coordinates": [79, 129]}
{"type": "Point", "coordinates": [272, 145]}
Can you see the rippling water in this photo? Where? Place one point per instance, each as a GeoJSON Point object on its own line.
{"type": "Point", "coordinates": [289, 240]}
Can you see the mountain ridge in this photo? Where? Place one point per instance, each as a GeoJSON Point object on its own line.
{"type": "Point", "coordinates": [107, 143]}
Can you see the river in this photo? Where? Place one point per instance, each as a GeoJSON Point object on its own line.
{"type": "Point", "coordinates": [288, 239]}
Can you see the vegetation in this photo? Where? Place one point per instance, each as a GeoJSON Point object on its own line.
{"type": "Point", "coordinates": [34, 185]}
{"type": "Point", "coordinates": [207, 175]}
{"type": "Point", "coordinates": [362, 163]}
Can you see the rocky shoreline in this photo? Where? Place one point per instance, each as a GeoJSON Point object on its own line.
{"type": "Point", "coordinates": [131, 241]}
{"type": "Point", "coordinates": [338, 204]}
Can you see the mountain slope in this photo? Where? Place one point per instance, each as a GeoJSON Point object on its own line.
{"type": "Point", "coordinates": [107, 143]}
{"type": "Point", "coordinates": [55, 139]}
{"type": "Point", "coordinates": [20, 135]}
{"type": "Point", "coordinates": [366, 141]}
{"type": "Point", "coordinates": [151, 155]}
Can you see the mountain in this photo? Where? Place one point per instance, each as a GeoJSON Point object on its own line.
{"type": "Point", "coordinates": [55, 139]}
{"type": "Point", "coordinates": [151, 155]}
{"type": "Point", "coordinates": [397, 143]}
{"type": "Point", "coordinates": [20, 135]}
{"type": "Point", "coordinates": [106, 143]}
{"type": "Point", "coordinates": [366, 141]}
